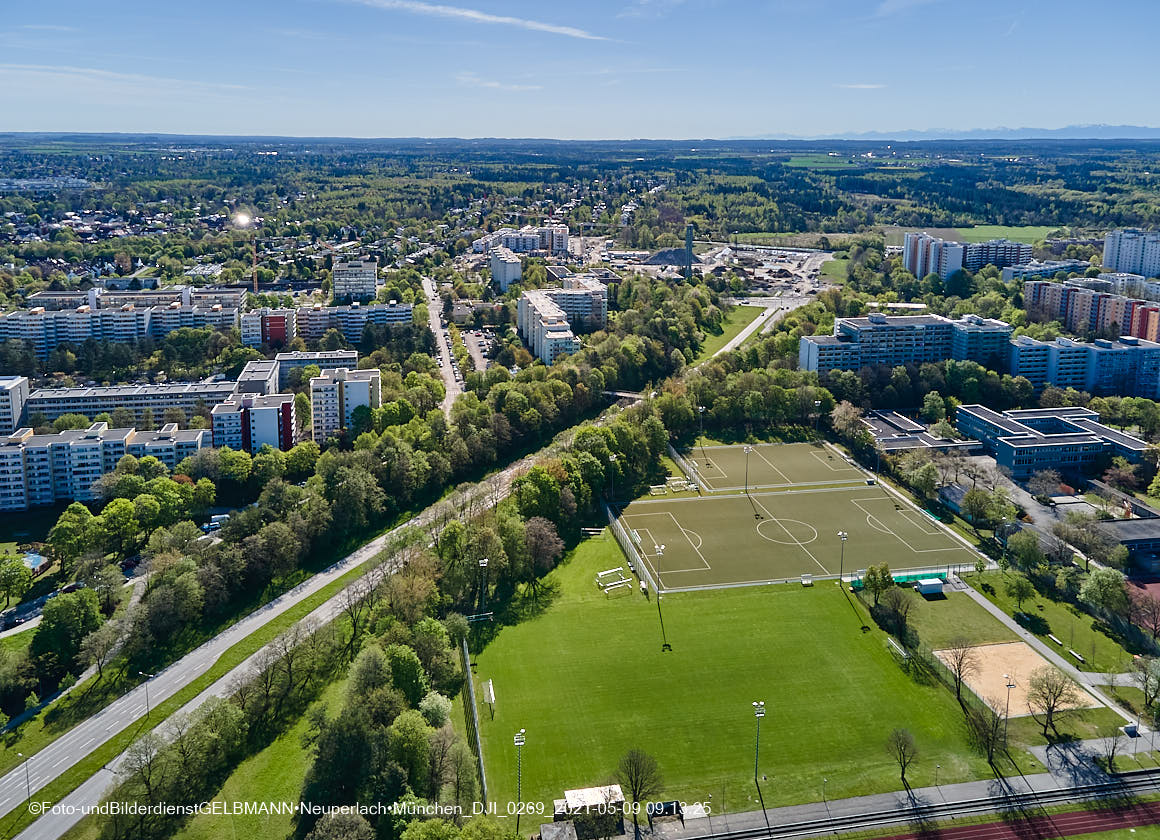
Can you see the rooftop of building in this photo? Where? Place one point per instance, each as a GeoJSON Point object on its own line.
{"type": "Point", "coordinates": [880, 319]}
{"type": "Point", "coordinates": [252, 401]}
{"type": "Point", "coordinates": [128, 390]}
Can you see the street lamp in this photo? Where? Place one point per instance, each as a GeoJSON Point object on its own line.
{"type": "Point", "coordinates": [1007, 709]}
{"type": "Point", "coordinates": [27, 778]}
{"type": "Point", "coordinates": [937, 767]}
{"type": "Point", "coordinates": [483, 589]}
{"type": "Point", "coordinates": [824, 780]}
{"type": "Point", "coordinates": [843, 536]}
{"type": "Point", "coordinates": [147, 678]}
{"type": "Point", "coordinates": [519, 742]}
{"type": "Point", "coordinates": [748, 449]}
{"type": "Point", "coordinates": [759, 713]}
{"type": "Point", "coordinates": [660, 552]}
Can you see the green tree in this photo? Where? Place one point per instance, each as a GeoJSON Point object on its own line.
{"type": "Point", "coordinates": [933, 407]}
{"type": "Point", "coordinates": [877, 580]}
{"type": "Point", "coordinates": [15, 579]}
{"type": "Point", "coordinates": [66, 620]}
{"type": "Point", "coordinates": [73, 534]}
{"type": "Point", "coordinates": [976, 506]}
{"type": "Point", "coordinates": [1020, 588]}
{"type": "Point", "coordinates": [1024, 549]}
{"type": "Point", "coordinates": [410, 747]}
{"type": "Point", "coordinates": [118, 521]}
{"type": "Point", "coordinates": [407, 673]}
{"type": "Point", "coordinates": [1105, 589]}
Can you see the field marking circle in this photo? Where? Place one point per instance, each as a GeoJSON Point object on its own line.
{"type": "Point", "coordinates": [690, 534]}
{"type": "Point", "coordinates": [794, 527]}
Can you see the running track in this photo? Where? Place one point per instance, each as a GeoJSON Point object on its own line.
{"type": "Point", "coordinates": [1056, 825]}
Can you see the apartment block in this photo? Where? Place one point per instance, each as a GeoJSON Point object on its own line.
{"type": "Point", "coordinates": [250, 421]}
{"type": "Point", "coordinates": [98, 298]}
{"type": "Point", "coordinates": [272, 327]}
{"type": "Point", "coordinates": [997, 252]}
{"type": "Point", "coordinates": [547, 317]}
{"type": "Point", "coordinates": [336, 394]}
{"type": "Point", "coordinates": [1070, 439]}
{"type": "Point", "coordinates": [303, 358]}
{"type": "Point", "coordinates": [982, 340]}
{"type": "Point", "coordinates": [355, 279]}
{"type": "Point", "coordinates": [505, 268]}
{"type": "Point", "coordinates": [1048, 268]}
{"type": "Point", "coordinates": [1133, 251]}
{"type": "Point", "coordinates": [314, 321]}
{"type": "Point", "coordinates": [13, 396]}
{"type": "Point", "coordinates": [550, 239]}
{"type": "Point", "coordinates": [258, 377]}
{"type": "Point", "coordinates": [1081, 308]}
{"type": "Point", "coordinates": [189, 397]}
{"type": "Point", "coordinates": [1127, 366]}
{"type": "Point", "coordinates": [923, 254]}
{"type": "Point", "coordinates": [38, 470]}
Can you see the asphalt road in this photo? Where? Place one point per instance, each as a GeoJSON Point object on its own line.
{"type": "Point", "coordinates": [443, 344]}
{"type": "Point", "coordinates": [130, 709]}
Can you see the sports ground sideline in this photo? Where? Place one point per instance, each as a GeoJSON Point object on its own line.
{"type": "Point", "coordinates": [787, 524]}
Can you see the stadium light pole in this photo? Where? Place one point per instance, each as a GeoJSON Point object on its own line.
{"type": "Point", "coordinates": [483, 561]}
{"type": "Point", "coordinates": [660, 552]}
{"type": "Point", "coordinates": [748, 449]}
{"type": "Point", "coordinates": [147, 678]}
{"type": "Point", "coordinates": [612, 474]}
{"type": "Point", "coordinates": [701, 417]}
{"type": "Point", "coordinates": [519, 742]}
{"type": "Point", "coordinates": [817, 414]}
{"type": "Point", "coordinates": [937, 767]}
{"type": "Point", "coordinates": [1007, 708]}
{"type": "Point", "coordinates": [843, 536]}
{"type": "Point", "coordinates": [759, 713]}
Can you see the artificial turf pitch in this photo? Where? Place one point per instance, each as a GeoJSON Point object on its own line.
{"type": "Point", "coordinates": [586, 678]}
{"type": "Point", "coordinates": [738, 539]}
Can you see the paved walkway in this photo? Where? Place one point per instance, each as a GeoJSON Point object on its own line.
{"type": "Point", "coordinates": [1086, 680]}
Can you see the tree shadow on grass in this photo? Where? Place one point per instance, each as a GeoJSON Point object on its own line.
{"type": "Point", "coordinates": [1037, 624]}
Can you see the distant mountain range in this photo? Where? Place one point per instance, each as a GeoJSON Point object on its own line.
{"type": "Point", "coordinates": [1069, 132]}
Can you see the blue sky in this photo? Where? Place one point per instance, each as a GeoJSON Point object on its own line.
{"type": "Point", "coordinates": [593, 69]}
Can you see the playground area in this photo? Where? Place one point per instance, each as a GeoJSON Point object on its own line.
{"type": "Point", "coordinates": [785, 527]}
{"type": "Point", "coordinates": [770, 465]}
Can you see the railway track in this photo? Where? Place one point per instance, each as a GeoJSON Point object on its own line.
{"type": "Point", "coordinates": [1030, 803]}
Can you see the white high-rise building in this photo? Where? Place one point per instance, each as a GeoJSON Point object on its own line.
{"type": "Point", "coordinates": [336, 394]}
{"type": "Point", "coordinates": [250, 421]}
{"type": "Point", "coordinates": [1132, 251]}
{"type": "Point", "coordinates": [355, 279]}
{"type": "Point", "coordinates": [46, 469]}
{"type": "Point", "coordinates": [13, 396]}
{"type": "Point", "coordinates": [505, 268]}
{"type": "Point", "coordinates": [923, 254]}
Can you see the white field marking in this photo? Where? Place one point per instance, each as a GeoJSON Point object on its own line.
{"type": "Point", "coordinates": [871, 519]}
{"type": "Point", "coordinates": [920, 520]}
{"type": "Point", "coordinates": [791, 536]}
{"type": "Point", "coordinates": [781, 521]}
{"type": "Point", "coordinates": [891, 531]}
{"type": "Point", "coordinates": [826, 463]}
{"type": "Point", "coordinates": [757, 452]}
{"type": "Point", "coordinates": [686, 534]}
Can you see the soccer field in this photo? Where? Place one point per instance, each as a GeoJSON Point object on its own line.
{"type": "Point", "coordinates": [730, 538]}
{"type": "Point", "coordinates": [585, 677]}
{"type": "Point", "coordinates": [766, 465]}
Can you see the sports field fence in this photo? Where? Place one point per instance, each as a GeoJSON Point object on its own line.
{"type": "Point", "coordinates": [472, 715]}
{"type": "Point", "coordinates": [688, 469]}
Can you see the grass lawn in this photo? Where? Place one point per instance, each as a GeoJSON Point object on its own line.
{"type": "Point", "coordinates": [274, 774]}
{"type": "Point", "coordinates": [835, 270]}
{"type": "Point", "coordinates": [733, 323]}
{"type": "Point", "coordinates": [18, 642]}
{"type": "Point", "coordinates": [1097, 722]}
{"type": "Point", "coordinates": [36, 733]}
{"type": "Point", "coordinates": [1016, 233]}
{"type": "Point", "coordinates": [820, 161]}
{"type": "Point", "coordinates": [939, 620]}
{"type": "Point", "coordinates": [1076, 629]}
{"type": "Point", "coordinates": [1128, 696]}
{"type": "Point", "coordinates": [586, 678]}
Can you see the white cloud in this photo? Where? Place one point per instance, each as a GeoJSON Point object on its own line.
{"type": "Point", "coordinates": [103, 86]}
{"type": "Point", "coordinates": [476, 16]}
{"type": "Point", "coordinates": [472, 80]}
{"type": "Point", "coordinates": [861, 86]}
